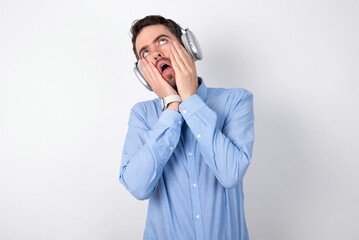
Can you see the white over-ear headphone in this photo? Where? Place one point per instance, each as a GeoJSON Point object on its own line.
{"type": "Point", "coordinates": [190, 43]}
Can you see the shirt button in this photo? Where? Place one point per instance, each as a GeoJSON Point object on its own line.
{"type": "Point", "coordinates": [179, 122]}
{"type": "Point", "coordinates": [171, 148]}
{"type": "Point", "coordinates": [198, 216]}
{"type": "Point", "coordinates": [184, 111]}
{"type": "Point", "coordinates": [198, 135]}
{"type": "Point", "coordinates": [190, 154]}
{"type": "Point", "coordinates": [194, 185]}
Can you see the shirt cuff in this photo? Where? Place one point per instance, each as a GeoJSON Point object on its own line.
{"type": "Point", "coordinates": [191, 105]}
{"type": "Point", "coordinates": [171, 118]}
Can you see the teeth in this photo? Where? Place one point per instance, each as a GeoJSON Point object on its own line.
{"type": "Point", "coordinates": [162, 66]}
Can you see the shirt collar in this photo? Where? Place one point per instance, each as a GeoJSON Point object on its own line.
{"type": "Point", "coordinates": [202, 89]}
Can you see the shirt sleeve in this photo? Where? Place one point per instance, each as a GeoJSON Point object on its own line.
{"type": "Point", "coordinates": [147, 150]}
{"type": "Point", "coordinates": [227, 150]}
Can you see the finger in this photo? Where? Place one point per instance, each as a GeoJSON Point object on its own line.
{"type": "Point", "coordinates": [184, 55]}
{"type": "Point", "coordinates": [148, 72]}
{"type": "Point", "coordinates": [178, 60]}
{"type": "Point", "coordinates": [149, 69]}
{"type": "Point", "coordinates": [145, 69]}
{"type": "Point", "coordinates": [155, 73]}
{"type": "Point", "coordinates": [174, 62]}
{"type": "Point", "coordinates": [159, 85]}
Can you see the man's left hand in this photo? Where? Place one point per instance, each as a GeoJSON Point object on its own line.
{"type": "Point", "coordinates": [185, 71]}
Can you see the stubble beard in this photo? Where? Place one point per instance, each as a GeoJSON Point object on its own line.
{"type": "Point", "coordinates": [170, 78]}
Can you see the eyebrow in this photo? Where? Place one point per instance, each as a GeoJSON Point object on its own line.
{"type": "Point", "coordinates": [155, 40]}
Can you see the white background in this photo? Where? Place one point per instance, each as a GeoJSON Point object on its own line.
{"type": "Point", "coordinates": [67, 85]}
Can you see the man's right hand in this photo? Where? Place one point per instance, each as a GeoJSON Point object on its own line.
{"type": "Point", "coordinates": [159, 85]}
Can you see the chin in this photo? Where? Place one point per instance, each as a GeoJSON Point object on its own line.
{"type": "Point", "coordinates": [170, 78]}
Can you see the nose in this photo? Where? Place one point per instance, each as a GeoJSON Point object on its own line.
{"type": "Point", "coordinates": [157, 55]}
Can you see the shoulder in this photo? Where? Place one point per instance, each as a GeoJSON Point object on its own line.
{"type": "Point", "coordinates": [145, 105]}
{"type": "Point", "coordinates": [145, 113]}
{"type": "Point", "coordinates": [146, 109]}
{"type": "Point", "coordinates": [238, 94]}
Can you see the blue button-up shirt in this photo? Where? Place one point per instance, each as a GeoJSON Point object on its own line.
{"type": "Point", "coordinates": [190, 164]}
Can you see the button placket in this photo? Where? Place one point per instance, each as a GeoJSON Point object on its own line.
{"type": "Point", "coordinates": [193, 180]}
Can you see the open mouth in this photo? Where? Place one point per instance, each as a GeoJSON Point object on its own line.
{"type": "Point", "coordinates": [164, 67]}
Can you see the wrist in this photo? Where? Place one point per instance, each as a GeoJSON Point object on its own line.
{"type": "Point", "coordinates": [165, 101]}
{"type": "Point", "coordinates": [174, 106]}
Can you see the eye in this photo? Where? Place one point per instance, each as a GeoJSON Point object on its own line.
{"type": "Point", "coordinates": [162, 41]}
{"type": "Point", "coordinates": [145, 53]}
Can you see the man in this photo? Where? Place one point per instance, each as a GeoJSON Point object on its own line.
{"type": "Point", "coordinates": [188, 158]}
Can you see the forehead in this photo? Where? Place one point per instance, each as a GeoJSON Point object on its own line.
{"type": "Point", "coordinates": [150, 33]}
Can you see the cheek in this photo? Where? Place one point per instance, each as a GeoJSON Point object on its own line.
{"type": "Point", "coordinates": [166, 49]}
{"type": "Point", "coordinates": [151, 61]}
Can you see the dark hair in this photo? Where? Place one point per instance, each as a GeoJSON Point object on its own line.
{"type": "Point", "coordinates": [153, 20]}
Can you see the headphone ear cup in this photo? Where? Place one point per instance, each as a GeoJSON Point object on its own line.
{"type": "Point", "coordinates": [191, 44]}
{"type": "Point", "coordinates": [140, 77]}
